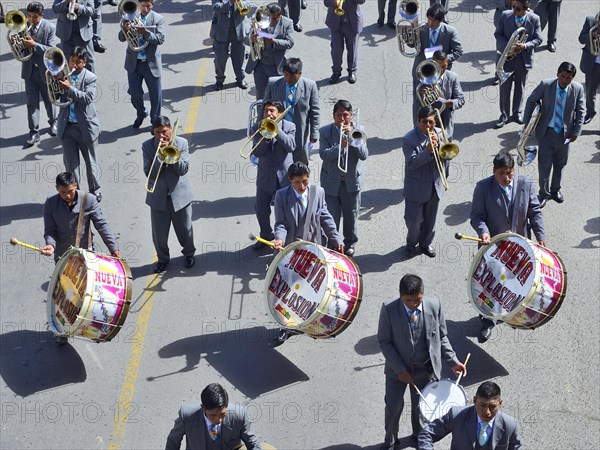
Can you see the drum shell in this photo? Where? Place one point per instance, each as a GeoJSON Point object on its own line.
{"type": "Point", "coordinates": [441, 396]}
{"type": "Point", "coordinates": [89, 295]}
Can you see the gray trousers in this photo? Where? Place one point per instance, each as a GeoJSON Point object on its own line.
{"type": "Point", "coordinates": [444, 3]}
{"type": "Point", "coordinates": [73, 143]}
{"type": "Point", "coordinates": [262, 73]}
{"type": "Point", "coordinates": [518, 78]}
{"type": "Point", "coordinates": [262, 207]}
{"type": "Point", "coordinates": [141, 73]}
{"type": "Point", "coordinates": [182, 224]}
{"type": "Point", "coordinates": [221, 50]}
{"type": "Point", "coordinates": [77, 41]}
{"type": "Point", "coordinates": [391, 14]}
{"type": "Point", "coordinates": [294, 9]}
{"type": "Point", "coordinates": [592, 81]}
{"type": "Point", "coordinates": [549, 11]}
{"type": "Point", "coordinates": [552, 157]}
{"type": "Point", "coordinates": [345, 205]}
{"type": "Point", "coordinates": [420, 220]}
{"type": "Point", "coordinates": [36, 87]}
{"type": "Point", "coordinates": [97, 20]}
{"type": "Point", "coordinates": [347, 37]}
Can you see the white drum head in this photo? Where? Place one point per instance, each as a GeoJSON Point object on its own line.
{"type": "Point", "coordinates": [440, 396]}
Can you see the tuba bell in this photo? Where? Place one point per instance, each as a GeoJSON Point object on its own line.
{"type": "Point", "coordinates": [17, 33]}
{"type": "Point", "coordinates": [519, 36]}
{"type": "Point", "coordinates": [57, 69]}
{"type": "Point", "coordinates": [429, 91]}
{"type": "Point", "coordinates": [339, 8]}
{"type": "Point", "coordinates": [168, 153]}
{"type": "Point", "coordinates": [130, 11]}
{"type": "Point", "coordinates": [260, 21]}
{"type": "Point", "coordinates": [408, 28]}
{"type": "Point", "coordinates": [526, 154]}
{"type": "Point", "coordinates": [595, 36]}
{"type": "Point", "coordinates": [268, 129]}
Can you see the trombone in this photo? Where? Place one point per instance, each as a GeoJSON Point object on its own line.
{"type": "Point", "coordinates": [244, 11]}
{"type": "Point", "coordinates": [446, 151]}
{"type": "Point", "coordinates": [339, 8]}
{"type": "Point", "coordinates": [168, 153]}
{"type": "Point", "coordinates": [268, 129]}
{"type": "Point", "coordinates": [355, 139]}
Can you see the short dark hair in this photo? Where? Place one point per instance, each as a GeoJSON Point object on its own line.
{"type": "Point", "coordinates": [35, 7]}
{"type": "Point", "coordinates": [293, 65]}
{"type": "Point", "coordinates": [214, 396]}
{"type": "Point", "coordinates": [425, 111]}
{"type": "Point", "coordinates": [277, 104]}
{"type": "Point", "coordinates": [488, 390]}
{"type": "Point", "coordinates": [298, 169]}
{"type": "Point", "coordinates": [436, 12]}
{"type": "Point", "coordinates": [566, 66]}
{"type": "Point", "coordinates": [80, 53]}
{"type": "Point", "coordinates": [161, 121]}
{"type": "Point", "coordinates": [342, 104]}
{"type": "Point", "coordinates": [503, 159]}
{"type": "Point", "coordinates": [411, 285]}
{"type": "Point", "coordinates": [274, 8]}
{"type": "Point", "coordinates": [439, 55]}
{"type": "Point", "coordinates": [525, 3]}
{"type": "Point", "coordinates": [65, 179]}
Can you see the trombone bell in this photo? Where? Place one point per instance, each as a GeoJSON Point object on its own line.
{"type": "Point", "coordinates": [268, 129]}
{"type": "Point", "coordinates": [449, 151]}
{"type": "Point", "coordinates": [169, 154]}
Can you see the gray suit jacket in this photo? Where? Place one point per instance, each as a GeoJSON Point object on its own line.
{"type": "Point", "coordinates": [64, 26]}
{"type": "Point", "coordinates": [573, 113]}
{"type": "Point", "coordinates": [281, 44]}
{"type": "Point", "coordinates": [154, 38]}
{"type": "Point", "coordinates": [420, 171]}
{"type": "Point", "coordinates": [60, 223]}
{"type": "Point", "coordinates": [219, 29]}
{"type": "Point", "coordinates": [452, 90]}
{"type": "Point", "coordinates": [491, 214]}
{"type": "Point", "coordinates": [286, 219]}
{"type": "Point", "coordinates": [275, 156]}
{"type": "Point", "coordinates": [392, 335]}
{"type": "Point", "coordinates": [83, 93]}
{"type": "Point", "coordinates": [447, 38]}
{"type": "Point", "coordinates": [306, 111]}
{"type": "Point", "coordinates": [504, 30]}
{"type": "Point", "coordinates": [462, 423]}
{"type": "Point", "coordinates": [44, 39]}
{"type": "Point", "coordinates": [587, 59]}
{"type": "Point", "coordinates": [331, 176]}
{"type": "Point", "coordinates": [353, 15]}
{"type": "Point", "coordinates": [235, 429]}
{"type": "Point", "coordinates": [172, 180]}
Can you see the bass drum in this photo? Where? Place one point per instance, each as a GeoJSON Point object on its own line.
{"type": "Point", "coordinates": [314, 290]}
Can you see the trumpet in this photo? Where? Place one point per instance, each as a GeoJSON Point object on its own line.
{"type": "Point", "coordinates": [408, 28]}
{"type": "Point", "coordinates": [595, 36]}
{"type": "Point", "coordinates": [519, 36]}
{"type": "Point", "coordinates": [446, 151]}
{"type": "Point", "coordinates": [355, 139]}
{"type": "Point", "coordinates": [168, 153]}
{"type": "Point", "coordinates": [57, 69]}
{"type": "Point", "coordinates": [260, 21]}
{"type": "Point", "coordinates": [71, 14]}
{"type": "Point", "coordinates": [268, 129]}
{"type": "Point", "coordinates": [339, 8]}
{"type": "Point", "coordinates": [17, 33]}
{"type": "Point", "coordinates": [130, 11]}
{"type": "Point", "coordinates": [526, 155]}
{"type": "Point", "coordinates": [244, 11]}
{"type": "Point", "coordinates": [429, 91]}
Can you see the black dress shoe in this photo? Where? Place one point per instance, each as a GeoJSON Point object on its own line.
{"type": "Point", "coordinates": [242, 84]}
{"type": "Point", "coordinates": [334, 78]}
{"type": "Point", "coordinates": [552, 47]}
{"type": "Point", "coordinates": [543, 201]}
{"type": "Point", "coordinates": [501, 122]}
{"type": "Point", "coordinates": [380, 22]}
{"type": "Point", "coordinates": [33, 139]}
{"type": "Point", "coordinates": [429, 251]}
{"type": "Point", "coordinates": [392, 25]}
{"type": "Point", "coordinates": [189, 262]}
{"type": "Point", "coordinates": [303, 5]}
{"type": "Point", "coordinates": [160, 267]}
{"type": "Point", "coordinates": [518, 119]}
{"type": "Point", "coordinates": [298, 27]}
{"type": "Point", "coordinates": [588, 118]}
{"type": "Point", "coordinates": [484, 334]}
{"type": "Point", "coordinates": [53, 131]}
{"type": "Point", "coordinates": [281, 338]}
{"type": "Point", "coordinates": [352, 78]}
{"type": "Point", "coordinates": [98, 47]}
{"type": "Point", "coordinates": [218, 85]}
{"type": "Point", "coordinates": [557, 197]}
{"type": "Point", "coordinates": [138, 121]}
{"type": "Point", "coordinates": [349, 252]}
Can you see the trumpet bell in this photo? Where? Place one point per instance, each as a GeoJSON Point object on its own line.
{"type": "Point", "coordinates": [357, 138]}
{"type": "Point", "coordinates": [15, 21]}
{"type": "Point", "coordinates": [170, 154]}
{"type": "Point", "coordinates": [449, 151]}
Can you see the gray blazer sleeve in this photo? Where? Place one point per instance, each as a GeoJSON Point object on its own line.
{"type": "Point", "coordinates": [534, 213]}
{"type": "Point", "coordinates": [456, 49]}
{"type": "Point", "coordinates": [50, 231]}
{"type": "Point", "coordinates": [280, 229]}
{"type": "Point", "coordinates": [176, 434]}
{"type": "Point", "coordinates": [97, 217]}
{"type": "Point", "coordinates": [247, 434]}
{"type": "Point", "coordinates": [457, 95]}
{"type": "Point", "coordinates": [438, 429]}
{"type": "Point", "coordinates": [314, 112]}
{"type": "Point", "coordinates": [386, 341]}
{"type": "Point", "coordinates": [478, 211]}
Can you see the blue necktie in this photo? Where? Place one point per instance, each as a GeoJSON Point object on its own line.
{"type": "Point", "coordinates": [142, 53]}
{"type": "Point", "coordinates": [433, 37]}
{"type": "Point", "coordinates": [214, 432]}
{"type": "Point", "coordinates": [507, 192]}
{"type": "Point", "coordinates": [559, 109]}
{"type": "Point", "coordinates": [413, 317]}
{"type": "Point", "coordinates": [520, 21]}
{"type": "Point", "coordinates": [72, 116]}
{"type": "Point", "coordinates": [289, 101]}
{"type": "Point", "coordinates": [483, 434]}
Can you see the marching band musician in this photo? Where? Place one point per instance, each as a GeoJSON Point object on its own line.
{"type": "Point", "coordinates": [590, 66]}
{"type": "Point", "coordinates": [78, 32]}
{"type": "Point", "coordinates": [78, 125]}
{"type": "Point", "coordinates": [453, 93]}
{"type": "Point", "coordinates": [391, 14]}
{"type": "Point", "coordinates": [549, 12]}
{"type": "Point", "coordinates": [423, 187]}
{"type": "Point", "coordinates": [522, 63]}
{"type": "Point", "coordinates": [33, 71]}
{"type": "Point", "coordinates": [503, 203]}
{"type": "Point", "coordinates": [345, 30]}
{"type": "Point", "coordinates": [274, 159]}
{"type": "Point", "coordinates": [342, 189]}
{"type": "Point", "coordinates": [97, 27]}
{"type": "Point", "coordinates": [501, 6]}
{"type": "Point", "coordinates": [413, 338]}
{"type": "Point", "coordinates": [272, 57]}
{"type": "Point", "coordinates": [146, 64]}
{"type": "Point", "coordinates": [228, 30]}
{"type": "Point", "coordinates": [291, 9]}
{"type": "Point", "coordinates": [561, 118]}
{"type": "Point", "coordinates": [171, 201]}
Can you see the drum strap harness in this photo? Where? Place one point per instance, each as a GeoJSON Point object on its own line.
{"type": "Point", "coordinates": [80, 224]}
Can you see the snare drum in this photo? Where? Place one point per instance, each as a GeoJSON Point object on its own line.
{"type": "Point", "coordinates": [313, 290]}
{"type": "Point", "coordinates": [517, 281]}
{"type": "Point", "coordinates": [89, 295]}
{"type": "Point", "coordinates": [439, 397]}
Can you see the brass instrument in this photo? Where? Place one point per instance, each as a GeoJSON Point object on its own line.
{"type": "Point", "coordinates": [446, 151]}
{"type": "Point", "coordinates": [71, 14]}
{"type": "Point", "coordinates": [241, 8]}
{"type": "Point", "coordinates": [260, 21]}
{"type": "Point", "coordinates": [526, 154]}
{"type": "Point", "coordinates": [17, 33]}
{"type": "Point", "coordinates": [356, 139]}
{"type": "Point", "coordinates": [595, 37]}
{"type": "Point", "coordinates": [339, 8]}
{"type": "Point", "coordinates": [130, 11]}
{"type": "Point", "coordinates": [253, 115]}
{"type": "Point", "coordinates": [519, 36]}
{"type": "Point", "coordinates": [168, 153]}
{"type": "Point", "coordinates": [429, 91]}
{"type": "Point", "coordinates": [268, 129]}
{"type": "Point", "coordinates": [57, 69]}
{"type": "Point", "coordinates": [408, 28]}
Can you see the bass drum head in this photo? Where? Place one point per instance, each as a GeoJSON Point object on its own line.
{"type": "Point", "coordinates": [439, 397]}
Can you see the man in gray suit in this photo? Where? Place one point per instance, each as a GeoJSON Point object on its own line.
{"type": "Point", "coordinates": [293, 12]}
{"type": "Point", "coordinates": [97, 27]}
{"type": "Point", "coordinates": [146, 64]}
{"type": "Point", "coordinates": [590, 66]}
{"type": "Point", "coordinates": [391, 14]}
{"type": "Point", "coordinates": [560, 122]}
{"type": "Point", "coordinates": [272, 57]}
{"type": "Point", "coordinates": [78, 125]}
{"type": "Point", "coordinates": [302, 95]}
{"type": "Point", "coordinates": [549, 12]}
{"type": "Point", "coordinates": [522, 63]}
{"type": "Point", "coordinates": [228, 30]}
{"type": "Point", "coordinates": [423, 186]}
{"type": "Point", "coordinates": [482, 426]}
{"type": "Point", "coordinates": [169, 195]}
{"type": "Point", "coordinates": [213, 424]}
{"type": "Point", "coordinates": [413, 338]}
{"type": "Point", "coordinates": [503, 203]}
{"type": "Point", "coordinates": [346, 30]}
{"type": "Point", "coordinates": [78, 32]}
{"type": "Point", "coordinates": [342, 186]}
{"type": "Point", "coordinates": [33, 71]}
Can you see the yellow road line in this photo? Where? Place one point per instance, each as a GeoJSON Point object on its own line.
{"type": "Point", "coordinates": [190, 120]}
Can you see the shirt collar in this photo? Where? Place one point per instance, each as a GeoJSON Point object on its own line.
{"type": "Point", "coordinates": [209, 424]}
{"type": "Point", "coordinates": [490, 423]}
{"type": "Point", "coordinates": [409, 311]}
{"type": "Point", "coordinates": [300, 196]}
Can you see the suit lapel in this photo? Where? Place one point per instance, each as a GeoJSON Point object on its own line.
{"type": "Point", "coordinates": [299, 92]}
{"type": "Point", "coordinates": [292, 204]}
{"type": "Point", "coordinates": [472, 426]}
{"type": "Point", "coordinates": [498, 430]}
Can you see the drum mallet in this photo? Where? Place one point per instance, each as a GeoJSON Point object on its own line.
{"type": "Point", "coordinates": [15, 241]}
{"type": "Point", "coordinates": [468, 238]}
{"type": "Point", "coordinates": [421, 395]}
{"type": "Point", "coordinates": [253, 237]}
{"type": "Point", "coordinates": [465, 364]}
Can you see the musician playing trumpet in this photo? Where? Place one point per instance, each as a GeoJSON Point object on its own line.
{"type": "Point", "coordinates": [74, 27]}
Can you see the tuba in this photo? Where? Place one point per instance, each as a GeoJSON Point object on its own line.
{"type": "Point", "coordinates": [595, 37]}
{"type": "Point", "coordinates": [356, 139]}
{"type": "Point", "coordinates": [268, 129]}
{"type": "Point", "coordinates": [241, 8]}
{"type": "Point", "coordinates": [130, 13]}
{"type": "Point", "coordinates": [339, 8]}
{"type": "Point", "coordinates": [17, 33]}
{"type": "Point", "coordinates": [57, 69]}
{"type": "Point", "coordinates": [429, 91]}
{"type": "Point", "coordinates": [526, 154]}
{"type": "Point", "coordinates": [168, 153]}
{"type": "Point", "coordinates": [260, 21]}
{"type": "Point", "coordinates": [408, 28]}
{"type": "Point", "coordinates": [519, 36]}
{"type": "Point", "coordinates": [71, 14]}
